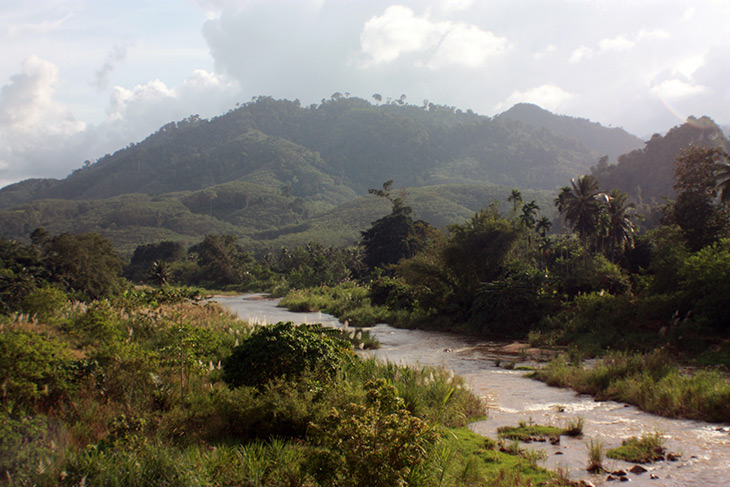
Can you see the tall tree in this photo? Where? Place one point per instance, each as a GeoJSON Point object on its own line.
{"type": "Point", "coordinates": [722, 175]}
{"type": "Point", "coordinates": [578, 204]}
{"type": "Point", "coordinates": [621, 230]}
{"type": "Point", "coordinates": [86, 263]}
{"type": "Point", "coordinates": [515, 198]}
{"type": "Point", "coordinates": [543, 226]}
{"type": "Point", "coordinates": [529, 210]}
{"type": "Point", "coordinates": [695, 209]}
{"type": "Point", "coordinates": [394, 236]}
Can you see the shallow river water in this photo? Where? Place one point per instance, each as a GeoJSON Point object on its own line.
{"type": "Point", "coordinates": [703, 448]}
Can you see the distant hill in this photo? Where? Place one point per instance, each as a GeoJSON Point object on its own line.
{"type": "Point", "coordinates": [275, 172]}
{"type": "Point", "coordinates": [646, 174]}
{"type": "Point", "coordinates": [606, 141]}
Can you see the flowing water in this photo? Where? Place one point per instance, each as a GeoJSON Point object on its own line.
{"type": "Point", "coordinates": [703, 448]}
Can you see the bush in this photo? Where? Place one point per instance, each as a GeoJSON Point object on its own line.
{"type": "Point", "coordinates": [283, 350]}
{"type": "Point", "coordinates": [44, 302]}
{"type": "Point", "coordinates": [33, 367]}
{"type": "Point", "coordinates": [379, 444]}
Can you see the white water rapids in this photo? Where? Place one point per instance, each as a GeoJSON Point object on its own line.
{"type": "Point", "coordinates": [703, 448]}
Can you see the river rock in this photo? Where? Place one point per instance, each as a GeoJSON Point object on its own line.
{"type": "Point", "coordinates": [637, 469]}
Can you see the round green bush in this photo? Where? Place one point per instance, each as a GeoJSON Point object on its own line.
{"type": "Point", "coordinates": [284, 350]}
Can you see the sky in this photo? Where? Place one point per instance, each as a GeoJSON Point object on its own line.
{"type": "Point", "coordinates": [83, 78]}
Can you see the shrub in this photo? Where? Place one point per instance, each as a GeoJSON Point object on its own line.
{"type": "Point", "coordinates": [376, 445]}
{"type": "Point", "coordinates": [44, 302]}
{"type": "Point", "coordinates": [283, 350]}
{"type": "Point", "coordinates": [33, 367]}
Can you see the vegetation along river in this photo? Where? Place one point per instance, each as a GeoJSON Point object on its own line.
{"type": "Point", "coordinates": [703, 449]}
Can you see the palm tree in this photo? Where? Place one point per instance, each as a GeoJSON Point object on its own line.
{"type": "Point", "coordinates": [515, 198]}
{"type": "Point", "coordinates": [159, 273]}
{"type": "Point", "coordinates": [543, 226]}
{"type": "Point", "coordinates": [528, 214]}
{"type": "Point", "coordinates": [722, 175]}
{"type": "Point", "coordinates": [620, 228]}
{"type": "Point", "coordinates": [578, 204]}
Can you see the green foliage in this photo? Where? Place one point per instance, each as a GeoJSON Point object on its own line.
{"type": "Point", "coordinates": [23, 443]}
{"type": "Point", "coordinates": [704, 279]}
{"type": "Point", "coordinates": [646, 174]}
{"type": "Point", "coordinates": [595, 456]}
{"type": "Point", "coordinates": [648, 381]}
{"type": "Point", "coordinates": [378, 444]}
{"type": "Point", "coordinates": [145, 256]}
{"type": "Point", "coordinates": [86, 263]}
{"type": "Point", "coordinates": [283, 350]}
{"type": "Point", "coordinates": [315, 265]}
{"type": "Point", "coordinates": [529, 432]}
{"type": "Point", "coordinates": [695, 210]}
{"type": "Point", "coordinates": [648, 448]}
{"type": "Point", "coordinates": [44, 302]}
{"type": "Point", "coordinates": [349, 302]}
{"type": "Point", "coordinates": [33, 367]}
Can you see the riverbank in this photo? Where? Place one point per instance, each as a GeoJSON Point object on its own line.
{"type": "Point", "coordinates": [651, 380]}
{"type": "Point", "coordinates": [512, 399]}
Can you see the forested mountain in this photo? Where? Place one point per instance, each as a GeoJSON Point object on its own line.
{"type": "Point", "coordinates": [606, 141]}
{"type": "Point", "coordinates": [274, 172]}
{"type": "Point", "coordinates": [324, 152]}
{"type": "Point", "coordinates": [646, 175]}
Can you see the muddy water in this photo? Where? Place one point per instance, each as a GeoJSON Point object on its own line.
{"type": "Point", "coordinates": [703, 448]}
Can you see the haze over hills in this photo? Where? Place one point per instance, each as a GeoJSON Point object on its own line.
{"type": "Point", "coordinates": [646, 175]}
{"type": "Point", "coordinates": [276, 173]}
{"type": "Point", "coordinates": [606, 141]}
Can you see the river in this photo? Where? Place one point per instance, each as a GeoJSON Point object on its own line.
{"type": "Point", "coordinates": [703, 448]}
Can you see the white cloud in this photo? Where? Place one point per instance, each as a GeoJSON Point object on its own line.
{"type": "Point", "coordinates": [652, 34]}
{"type": "Point", "coordinates": [689, 13]}
{"type": "Point", "coordinates": [399, 31]}
{"type": "Point", "coordinates": [548, 96]}
{"type": "Point", "coordinates": [580, 54]}
{"type": "Point", "coordinates": [677, 88]}
{"type": "Point", "coordinates": [27, 104]}
{"type": "Point", "coordinates": [619, 43]}
{"type": "Point", "coordinates": [449, 6]}
{"type": "Point", "coordinates": [37, 28]}
{"type": "Point", "coordinates": [545, 52]}
{"type": "Point", "coordinates": [39, 136]}
{"type": "Point", "coordinates": [467, 45]}
{"type": "Point", "coordinates": [688, 65]}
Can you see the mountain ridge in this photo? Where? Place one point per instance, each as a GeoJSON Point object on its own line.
{"type": "Point", "coordinates": [276, 173]}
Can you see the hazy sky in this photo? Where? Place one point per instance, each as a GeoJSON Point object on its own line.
{"type": "Point", "coordinates": [81, 78]}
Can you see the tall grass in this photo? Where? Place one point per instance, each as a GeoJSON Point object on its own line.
{"type": "Point", "coordinates": [348, 302]}
{"type": "Point", "coordinates": [647, 381]}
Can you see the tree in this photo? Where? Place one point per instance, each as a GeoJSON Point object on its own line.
{"type": "Point", "coordinates": [221, 259]}
{"type": "Point", "coordinates": [722, 175]}
{"type": "Point", "coordinates": [543, 226]}
{"type": "Point", "coordinates": [145, 256]}
{"type": "Point", "coordinates": [86, 263]}
{"type": "Point", "coordinates": [529, 210]}
{"type": "Point", "coordinates": [394, 236]}
{"type": "Point", "coordinates": [620, 228]}
{"type": "Point", "coordinates": [476, 250]}
{"type": "Point", "coordinates": [515, 198]}
{"type": "Point", "coordinates": [159, 273]}
{"type": "Point", "coordinates": [695, 209]}
{"type": "Point", "coordinates": [578, 204]}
